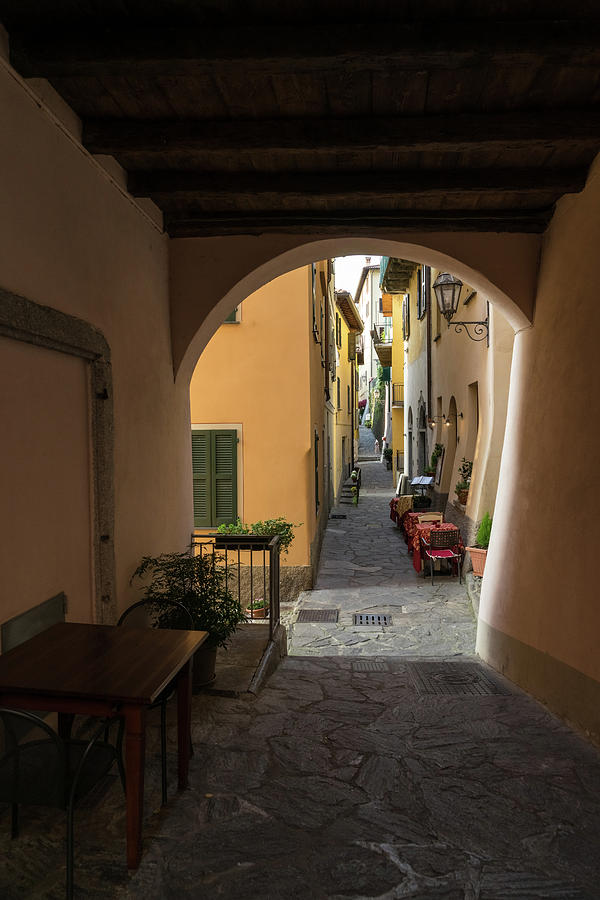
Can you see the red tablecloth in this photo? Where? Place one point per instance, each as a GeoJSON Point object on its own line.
{"type": "Point", "coordinates": [409, 524]}
{"type": "Point", "coordinates": [424, 531]}
{"type": "Point", "coordinates": [399, 506]}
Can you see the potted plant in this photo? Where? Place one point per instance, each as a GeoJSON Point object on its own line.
{"type": "Point", "coordinates": [388, 456]}
{"type": "Point", "coordinates": [279, 526]}
{"type": "Point", "coordinates": [258, 609]}
{"type": "Point", "coordinates": [197, 582]}
{"type": "Point", "coordinates": [479, 552]}
{"type": "Point", "coordinates": [462, 486]}
{"type": "Point", "coordinates": [354, 475]}
{"type": "Point", "coordinates": [354, 490]}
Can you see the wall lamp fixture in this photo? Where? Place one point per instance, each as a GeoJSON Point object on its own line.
{"type": "Point", "coordinates": [447, 292]}
{"type": "Point", "coordinates": [450, 416]}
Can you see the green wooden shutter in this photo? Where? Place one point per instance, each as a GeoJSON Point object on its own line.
{"type": "Point", "coordinates": [224, 470]}
{"type": "Point", "coordinates": [201, 469]}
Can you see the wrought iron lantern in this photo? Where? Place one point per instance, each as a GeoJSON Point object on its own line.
{"type": "Point", "coordinates": [447, 292]}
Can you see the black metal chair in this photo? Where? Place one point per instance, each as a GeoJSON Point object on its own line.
{"type": "Point", "coordinates": [39, 768]}
{"type": "Point", "coordinates": [147, 614]}
{"type": "Point", "coordinates": [442, 544]}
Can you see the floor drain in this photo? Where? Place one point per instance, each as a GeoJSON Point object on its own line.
{"type": "Point", "coordinates": [372, 619]}
{"type": "Point", "coordinates": [369, 665]}
{"type": "Point", "coordinates": [337, 516]}
{"type": "Point", "coordinates": [318, 615]}
{"type": "Point", "coordinates": [454, 678]}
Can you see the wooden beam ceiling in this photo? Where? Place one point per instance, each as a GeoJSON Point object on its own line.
{"type": "Point", "coordinates": [358, 221]}
{"type": "Point", "coordinates": [166, 187]}
{"type": "Point", "coordinates": [443, 133]}
{"type": "Point", "coordinates": [274, 49]}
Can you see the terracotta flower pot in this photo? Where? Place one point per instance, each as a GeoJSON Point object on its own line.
{"type": "Point", "coordinates": [463, 496]}
{"type": "Point", "coordinates": [261, 613]}
{"type": "Point", "coordinates": [478, 557]}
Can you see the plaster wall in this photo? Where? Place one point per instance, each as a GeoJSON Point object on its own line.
{"type": "Point", "coordinates": [538, 602]}
{"type": "Point", "coordinates": [256, 373]}
{"type": "Point", "coordinates": [72, 239]}
{"type": "Point", "coordinates": [44, 480]}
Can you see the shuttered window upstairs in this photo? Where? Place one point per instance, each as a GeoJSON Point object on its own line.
{"type": "Point", "coordinates": [214, 466]}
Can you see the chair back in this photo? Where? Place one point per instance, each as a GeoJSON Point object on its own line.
{"type": "Point", "coordinates": [431, 517]}
{"type": "Point", "coordinates": [443, 538]}
{"type": "Point", "coordinates": [157, 614]}
{"type": "Point", "coordinates": [33, 761]}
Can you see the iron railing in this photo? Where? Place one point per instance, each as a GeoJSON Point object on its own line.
{"type": "Point", "coordinates": [251, 568]}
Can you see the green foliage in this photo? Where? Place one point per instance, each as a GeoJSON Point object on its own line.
{"type": "Point", "coordinates": [279, 526]}
{"type": "Point", "coordinates": [484, 531]}
{"type": "Point", "coordinates": [437, 452]}
{"type": "Point", "coordinates": [197, 582]}
{"type": "Point", "coordinates": [377, 426]}
{"type": "Point", "coordinates": [355, 500]}
{"type": "Point", "coordinates": [259, 603]}
{"type": "Point", "coordinates": [388, 454]}
{"type": "Point", "coordinates": [464, 470]}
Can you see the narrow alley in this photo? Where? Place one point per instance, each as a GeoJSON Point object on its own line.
{"type": "Point", "coordinates": [365, 568]}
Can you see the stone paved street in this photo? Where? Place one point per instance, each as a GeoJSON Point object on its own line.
{"type": "Point", "coordinates": [365, 567]}
{"type": "Point", "coordinates": [344, 784]}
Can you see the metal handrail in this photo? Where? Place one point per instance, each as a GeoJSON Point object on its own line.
{"type": "Point", "coordinates": [238, 544]}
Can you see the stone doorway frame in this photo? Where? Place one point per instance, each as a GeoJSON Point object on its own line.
{"type": "Point", "coordinates": [30, 322]}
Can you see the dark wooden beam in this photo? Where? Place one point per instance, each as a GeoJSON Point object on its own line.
{"type": "Point", "coordinates": [175, 186]}
{"type": "Point", "coordinates": [448, 133]}
{"type": "Point", "coordinates": [104, 51]}
{"type": "Point", "coordinates": [359, 222]}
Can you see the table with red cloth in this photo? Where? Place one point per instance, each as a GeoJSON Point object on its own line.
{"type": "Point", "coordinates": [423, 531]}
{"type": "Point", "coordinates": [399, 506]}
{"type": "Point", "coordinates": [409, 525]}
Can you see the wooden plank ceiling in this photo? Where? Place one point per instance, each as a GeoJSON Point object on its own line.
{"type": "Point", "coordinates": [340, 116]}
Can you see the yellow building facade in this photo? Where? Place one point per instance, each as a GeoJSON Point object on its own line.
{"type": "Point", "coordinates": [348, 326]}
{"type": "Point", "coordinates": [261, 434]}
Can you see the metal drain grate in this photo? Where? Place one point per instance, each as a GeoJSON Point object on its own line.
{"type": "Point", "coordinates": [337, 516]}
{"type": "Point", "coordinates": [372, 619]}
{"type": "Point", "coordinates": [369, 665]}
{"type": "Point", "coordinates": [454, 678]}
{"type": "Point", "coordinates": [318, 615]}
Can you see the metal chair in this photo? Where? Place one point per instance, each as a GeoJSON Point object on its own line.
{"type": "Point", "coordinates": [431, 517]}
{"type": "Point", "coordinates": [39, 768]}
{"type": "Point", "coordinates": [147, 614]}
{"type": "Point", "coordinates": [441, 545]}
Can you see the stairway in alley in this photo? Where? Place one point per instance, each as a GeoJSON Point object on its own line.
{"type": "Point", "coordinates": [365, 570]}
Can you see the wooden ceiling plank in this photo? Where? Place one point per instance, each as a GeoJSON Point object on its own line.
{"type": "Point", "coordinates": [162, 186]}
{"type": "Point", "coordinates": [360, 221]}
{"type": "Point", "coordinates": [454, 133]}
{"type": "Point", "coordinates": [272, 49]}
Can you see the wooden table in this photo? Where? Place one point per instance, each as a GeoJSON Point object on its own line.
{"type": "Point", "coordinates": [100, 670]}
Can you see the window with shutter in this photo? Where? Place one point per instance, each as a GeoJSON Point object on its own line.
{"type": "Point", "coordinates": [214, 467]}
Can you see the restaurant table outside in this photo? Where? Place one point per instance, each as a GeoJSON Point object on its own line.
{"type": "Point", "coordinates": [409, 522]}
{"type": "Point", "coordinates": [423, 531]}
{"type": "Point", "coordinates": [101, 670]}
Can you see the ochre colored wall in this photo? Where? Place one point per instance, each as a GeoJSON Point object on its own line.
{"type": "Point", "coordinates": [540, 579]}
{"type": "Point", "coordinates": [257, 373]}
{"type": "Point", "coordinates": [343, 419]}
{"type": "Point", "coordinates": [72, 240]}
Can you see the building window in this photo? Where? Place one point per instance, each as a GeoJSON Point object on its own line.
{"type": "Point", "coordinates": [338, 394]}
{"type": "Point", "coordinates": [214, 469]}
{"type": "Point", "coordinates": [406, 317]}
{"type": "Point", "coordinates": [316, 313]}
{"type": "Point", "coordinates": [349, 407]}
{"type": "Point", "coordinates": [423, 290]}
{"type": "Point", "coordinates": [234, 316]}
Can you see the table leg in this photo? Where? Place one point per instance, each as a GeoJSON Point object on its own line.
{"type": "Point", "coordinates": [184, 722]}
{"type": "Point", "coordinates": [135, 747]}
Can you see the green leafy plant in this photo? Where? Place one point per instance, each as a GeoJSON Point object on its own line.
{"type": "Point", "coordinates": [279, 526]}
{"type": "Point", "coordinates": [464, 470]}
{"type": "Point", "coordinates": [259, 603]}
{"type": "Point", "coordinates": [484, 531]}
{"type": "Point", "coordinates": [197, 582]}
{"type": "Point", "coordinates": [388, 454]}
{"type": "Point", "coordinates": [437, 452]}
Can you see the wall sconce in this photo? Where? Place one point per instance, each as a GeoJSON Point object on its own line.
{"type": "Point", "coordinates": [449, 417]}
{"type": "Point", "coordinates": [447, 292]}
{"type": "Point", "coordinates": [431, 420]}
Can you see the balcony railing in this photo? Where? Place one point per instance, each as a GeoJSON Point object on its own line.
{"type": "Point", "coordinates": [382, 334]}
{"type": "Point", "coordinates": [251, 569]}
{"type": "Point", "coordinates": [398, 395]}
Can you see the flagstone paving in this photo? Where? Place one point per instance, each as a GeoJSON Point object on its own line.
{"type": "Point", "coordinates": [342, 784]}
{"type": "Point", "coordinates": [365, 567]}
